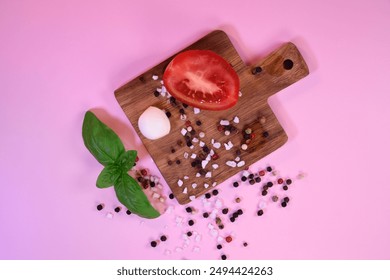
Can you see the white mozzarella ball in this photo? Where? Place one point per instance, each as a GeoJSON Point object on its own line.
{"type": "Point", "coordinates": [154, 123]}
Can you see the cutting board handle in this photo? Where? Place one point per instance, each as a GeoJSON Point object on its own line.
{"type": "Point", "coordinates": [280, 69]}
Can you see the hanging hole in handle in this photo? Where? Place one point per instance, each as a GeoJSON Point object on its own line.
{"type": "Point", "coordinates": [256, 70]}
{"type": "Point", "coordinates": [288, 64]}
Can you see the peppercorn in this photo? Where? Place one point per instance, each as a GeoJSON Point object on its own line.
{"type": "Point", "coordinates": [215, 192]}
{"type": "Point", "coordinates": [285, 188]}
{"type": "Point", "coordinates": [235, 215]}
{"type": "Point", "coordinates": [205, 215]}
{"type": "Point", "coordinates": [215, 156]}
{"type": "Point", "coordinates": [228, 239]}
{"type": "Point", "coordinates": [163, 238]}
{"type": "Point", "coordinates": [264, 193]}
{"type": "Point", "coordinates": [256, 70]}
{"type": "Point", "coordinates": [221, 226]}
{"type": "Point", "coordinates": [284, 204]}
{"type": "Point", "coordinates": [180, 143]}
{"type": "Point", "coordinates": [178, 161]}
{"type": "Point", "coordinates": [171, 196]}
{"type": "Point", "coordinates": [265, 134]}
{"type": "Point", "coordinates": [117, 209]}
{"type": "Point", "coordinates": [252, 182]}
{"type": "Point", "coordinates": [185, 105]}
{"type": "Point", "coordinates": [100, 207]}
{"type": "Point", "coordinates": [288, 181]}
{"type": "Point", "coordinates": [223, 257]}
{"type": "Point", "coordinates": [189, 210]}
{"type": "Point", "coordinates": [238, 200]}
{"type": "Point", "coordinates": [260, 212]}
{"type": "Point", "coordinates": [280, 181]}
{"type": "Point", "coordinates": [156, 93]}
{"type": "Point", "coordinates": [152, 184]}
{"type": "Point", "coordinates": [258, 179]}
{"type": "Point", "coordinates": [207, 195]}
{"type": "Point", "coordinates": [189, 233]}
{"type": "Point", "coordinates": [206, 149]}
{"type": "Point", "coordinates": [240, 212]}
{"type": "Point", "coordinates": [198, 123]}
{"type": "Point", "coordinates": [235, 184]}
{"type": "Point", "coordinates": [173, 150]}
{"type": "Point", "coordinates": [243, 178]}
{"type": "Point", "coordinates": [275, 198]}
{"type": "Point", "coordinates": [261, 172]}
{"type": "Point", "coordinates": [168, 114]}
{"type": "Point", "coordinates": [219, 246]}
{"type": "Point", "coordinates": [181, 111]}
{"type": "Point", "coordinates": [191, 222]}
{"type": "Point", "coordinates": [286, 199]}
{"type": "Point", "coordinates": [270, 184]}
{"type": "Point", "coordinates": [269, 168]}
{"type": "Point", "coordinates": [153, 243]}
{"type": "Point", "coordinates": [245, 244]}
{"type": "Point", "coordinates": [232, 219]}
{"type": "Point", "coordinates": [225, 211]}
{"type": "Point", "coordinates": [128, 212]}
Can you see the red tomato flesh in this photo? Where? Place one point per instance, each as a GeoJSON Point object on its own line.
{"type": "Point", "coordinates": [202, 79]}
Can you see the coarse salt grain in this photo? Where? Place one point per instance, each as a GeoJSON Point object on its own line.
{"type": "Point", "coordinates": [217, 145]}
{"type": "Point", "coordinates": [155, 195]}
{"type": "Point", "coordinates": [202, 134]}
{"type": "Point", "coordinates": [210, 226]}
{"type": "Point", "coordinates": [196, 111]}
{"type": "Point", "coordinates": [204, 163]}
{"type": "Point", "coordinates": [212, 141]}
{"type": "Point", "coordinates": [193, 156]}
{"type": "Point", "coordinates": [198, 238]}
{"type": "Point", "coordinates": [237, 159]}
{"type": "Point", "coordinates": [155, 77]}
{"type": "Point", "coordinates": [185, 190]}
{"type": "Point", "coordinates": [211, 152]}
{"type": "Point", "coordinates": [186, 177]}
{"type": "Point", "coordinates": [180, 183]}
{"type": "Point", "coordinates": [239, 94]}
{"type": "Point", "coordinates": [194, 185]}
{"type": "Point", "coordinates": [109, 215]}
{"type": "Point", "coordinates": [224, 122]}
{"type": "Point", "coordinates": [231, 163]}
{"type": "Point", "coordinates": [198, 175]}
{"type": "Point", "coordinates": [195, 140]}
{"type": "Point", "coordinates": [192, 197]}
{"type": "Point", "coordinates": [167, 252]}
{"type": "Point", "coordinates": [183, 131]}
{"type": "Point", "coordinates": [192, 147]}
{"type": "Point", "coordinates": [244, 146]}
{"type": "Point", "coordinates": [236, 120]}
{"type": "Point", "coordinates": [218, 204]}
{"type": "Point", "coordinates": [245, 173]}
{"type": "Point", "coordinates": [185, 155]}
{"type": "Point", "coordinates": [183, 117]}
{"type": "Point", "coordinates": [241, 164]}
{"type": "Point", "coordinates": [162, 200]}
{"type": "Point", "coordinates": [215, 166]}
{"type": "Point", "coordinates": [206, 185]}
{"type": "Point", "coordinates": [208, 174]}
{"type": "Point", "coordinates": [214, 184]}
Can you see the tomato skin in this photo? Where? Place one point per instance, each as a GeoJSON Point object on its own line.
{"type": "Point", "coordinates": [202, 79]}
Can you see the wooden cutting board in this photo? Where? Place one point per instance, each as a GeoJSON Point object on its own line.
{"type": "Point", "coordinates": [275, 72]}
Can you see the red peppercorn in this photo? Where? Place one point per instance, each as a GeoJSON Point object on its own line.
{"type": "Point", "coordinates": [220, 128]}
{"type": "Point", "coordinates": [280, 181]}
{"type": "Point", "coordinates": [188, 123]}
{"type": "Point", "coordinates": [144, 172]}
{"type": "Point", "coordinates": [262, 173]}
{"type": "Point", "coordinates": [228, 239]}
{"type": "Point", "coordinates": [215, 156]}
{"type": "Point", "coordinates": [253, 135]}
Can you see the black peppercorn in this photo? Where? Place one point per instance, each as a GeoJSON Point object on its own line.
{"type": "Point", "coordinates": [215, 192]}
{"type": "Point", "coordinates": [117, 209]}
{"type": "Point", "coordinates": [152, 184]}
{"type": "Point", "coordinates": [185, 105]}
{"type": "Point", "coordinates": [245, 244]}
{"type": "Point", "coordinates": [285, 188]}
{"type": "Point", "coordinates": [171, 196]}
{"type": "Point", "coordinates": [189, 233]}
{"type": "Point", "coordinates": [240, 212]}
{"type": "Point", "coordinates": [284, 204]}
{"type": "Point", "coordinates": [286, 199]}
{"type": "Point", "coordinates": [235, 184]}
{"type": "Point", "coordinates": [252, 182]}
{"type": "Point", "coordinates": [163, 238]}
{"type": "Point", "coordinates": [191, 222]}
{"type": "Point", "coordinates": [168, 114]}
{"type": "Point", "coordinates": [205, 215]}
{"type": "Point", "coordinates": [181, 111]}
{"type": "Point", "coordinates": [232, 219]}
{"type": "Point", "coordinates": [219, 246]}
{"type": "Point", "coordinates": [265, 134]}
{"type": "Point", "coordinates": [223, 257]}
{"type": "Point", "coordinates": [243, 178]}
{"type": "Point", "coordinates": [260, 212]}
{"type": "Point", "coordinates": [264, 193]}
{"type": "Point", "coordinates": [153, 243]}
{"type": "Point", "coordinates": [198, 123]}
{"type": "Point", "coordinates": [100, 207]}
{"type": "Point", "coordinates": [221, 226]}
{"type": "Point", "coordinates": [207, 195]}
{"type": "Point", "coordinates": [258, 179]}
{"type": "Point", "coordinates": [128, 212]}
{"type": "Point", "coordinates": [225, 211]}
{"type": "Point", "coordinates": [156, 93]}
{"type": "Point", "coordinates": [270, 184]}
{"type": "Point", "coordinates": [189, 210]}
{"type": "Point", "coordinates": [269, 168]}
{"type": "Point", "coordinates": [288, 181]}
{"type": "Point", "coordinates": [178, 161]}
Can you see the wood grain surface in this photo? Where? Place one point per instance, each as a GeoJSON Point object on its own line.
{"type": "Point", "coordinates": [275, 72]}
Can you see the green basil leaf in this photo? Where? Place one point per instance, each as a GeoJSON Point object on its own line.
{"type": "Point", "coordinates": [108, 176]}
{"type": "Point", "coordinates": [130, 194]}
{"type": "Point", "coordinates": [103, 143]}
{"type": "Point", "coordinates": [126, 160]}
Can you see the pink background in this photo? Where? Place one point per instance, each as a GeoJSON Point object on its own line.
{"type": "Point", "coordinates": [61, 58]}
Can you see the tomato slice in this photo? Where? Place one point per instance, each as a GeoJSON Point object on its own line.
{"type": "Point", "coordinates": [202, 79]}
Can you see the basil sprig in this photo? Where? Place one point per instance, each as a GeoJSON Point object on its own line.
{"type": "Point", "coordinates": [105, 145]}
